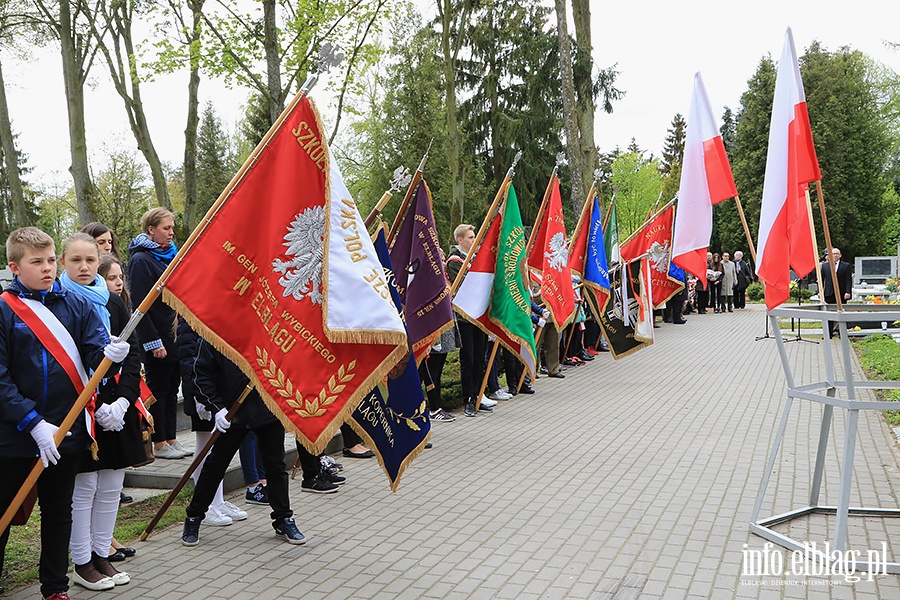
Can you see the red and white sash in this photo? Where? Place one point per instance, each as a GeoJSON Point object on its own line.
{"type": "Point", "coordinates": [57, 340]}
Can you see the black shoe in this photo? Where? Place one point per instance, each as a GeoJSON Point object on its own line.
{"type": "Point", "coordinates": [543, 370]}
{"type": "Point", "coordinates": [470, 408]}
{"type": "Point", "coordinates": [429, 446]}
{"type": "Point", "coordinates": [287, 530]}
{"type": "Point", "coordinates": [257, 495]}
{"type": "Point", "coordinates": [333, 478]}
{"type": "Point", "coordinates": [117, 556]}
{"type": "Point", "coordinates": [557, 375]}
{"type": "Point", "coordinates": [679, 322]}
{"type": "Point", "coordinates": [526, 389]}
{"type": "Point", "coordinates": [512, 391]}
{"type": "Point", "coordinates": [128, 552]}
{"type": "Point", "coordinates": [483, 408]}
{"type": "Point", "coordinates": [366, 454]}
{"type": "Point", "coordinates": [190, 536]}
{"type": "Point", "coordinates": [318, 485]}
{"type": "Point", "coordinates": [125, 498]}
{"type": "Point", "coordinates": [583, 355]}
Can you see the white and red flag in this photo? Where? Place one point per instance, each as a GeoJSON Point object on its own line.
{"type": "Point", "coordinates": [785, 232]}
{"type": "Point", "coordinates": [706, 179]}
{"type": "Point", "coordinates": [549, 259]}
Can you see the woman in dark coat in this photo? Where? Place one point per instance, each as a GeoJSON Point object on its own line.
{"type": "Point", "coordinates": [151, 252]}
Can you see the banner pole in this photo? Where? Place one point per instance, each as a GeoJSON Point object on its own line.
{"type": "Point", "coordinates": [487, 373]}
{"type": "Point", "coordinates": [834, 278]}
{"type": "Point", "coordinates": [194, 464]}
{"type": "Point", "coordinates": [815, 245]}
{"type": "Point", "coordinates": [501, 193]}
{"type": "Point", "coordinates": [583, 215]}
{"type": "Point", "coordinates": [740, 207]}
{"type": "Point", "coordinates": [407, 199]}
{"type": "Point", "coordinates": [541, 211]}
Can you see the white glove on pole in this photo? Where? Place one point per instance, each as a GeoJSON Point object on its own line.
{"type": "Point", "coordinates": [116, 350]}
{"type": "Point", "coordinates": [541, 322]}
{"type": "Point", "coordinates": [546, 314]}
{"type": "Point", "coordinates": [203, 412]}
{"type": "Point", "coordinates": [222, 422]}
{"type": "Point", "coordinates": [43, 434]}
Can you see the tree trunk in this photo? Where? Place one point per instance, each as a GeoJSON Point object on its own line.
{"type": "Point", "coordinates": [73, 79]}
{"type": "Point", "coordinates": [189, 221]}
{"type": "Point", "coordinates": [581, 14]}
{"type": "Point", "coordinates": [123, 69]}
{"type": "Point", "coordinates": [19, 214]}
{"type": "Point", "coordinates": [457, 204]}
{"type": "Point", "coordinates": [273, 62]}
{"type": "Point", "coordinates": [570, 118]}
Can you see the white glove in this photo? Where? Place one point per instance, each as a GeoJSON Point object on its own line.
{"type": "Point", "coordinates": [43, 434]}
{"type": "Point", "coordinates": [546, 314]}
{"type": "Point", "coordinates": [113, 418]}
{"type": "Point", "coordinates": [541, 322]}
{"type": "Point", "coordinates": [222, 422]}
{"type": "Point", "coordinates": [116, 350]}
{"type": "Point", "coordinates": [203, 412]}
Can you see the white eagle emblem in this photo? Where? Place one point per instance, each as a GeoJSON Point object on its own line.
{"type": "Point", "coordinates": [659, 256]}
{"type": "Point", "coordinates": [305, 242]}
{"type": "Point", "coordinates": [559, 254]}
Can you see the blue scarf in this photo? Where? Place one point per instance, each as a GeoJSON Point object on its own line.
{"type": "Point", "coordinates": [163, 254]}
{"type": "Point", "coordinates": [97, 294]}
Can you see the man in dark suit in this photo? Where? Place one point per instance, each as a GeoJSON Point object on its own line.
{"type": "Point", "coordinates": [844, 277]}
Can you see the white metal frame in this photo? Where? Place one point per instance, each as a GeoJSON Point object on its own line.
{"type": "Point", "coordinates": [825, 393]}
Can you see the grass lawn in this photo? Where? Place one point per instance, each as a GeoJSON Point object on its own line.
{"type": "Point", "coordinates": [24, 548]}
{"type": "Point", "coordinates": [880, 359]}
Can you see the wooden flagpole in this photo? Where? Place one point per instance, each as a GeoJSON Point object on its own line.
{"type": "Point", "coordinates": [397, 181]}
{"type": "Point", "coordinates": [582, 217]}
{"type": "Point", "coordinates": [487, 373]}
{"type": "Point", "coordinates": [155, 291]}
{"type": "Point", "coordinates": [649, 219]}
{"type": "Point", "coordinates": [737, 201]}
{"type": "Point", "coordinates": [407, 199]}
{"type": "Point", "coordinates": [815, 245]}
{"type": "Point", "coordinates": [501, 194]}
{"type": "Point", "coordinates": [194, 464]}
{"type": "Point", "coordinates": [834, 278]}
{"type": "Point", "coordinates": [540, 215]}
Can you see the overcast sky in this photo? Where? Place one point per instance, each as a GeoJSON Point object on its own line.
{"type": "Point", "coordinates": [657, 46]}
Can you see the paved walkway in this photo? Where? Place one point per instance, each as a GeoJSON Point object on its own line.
{"type": "Point", "coordinates": [627, 479]}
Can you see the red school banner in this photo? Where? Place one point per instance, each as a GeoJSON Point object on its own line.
{"type": "Point", "coordinates": [256, 285]}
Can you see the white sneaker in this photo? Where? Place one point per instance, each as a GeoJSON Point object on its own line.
{"type": "Point", "coordinates": [499, 395]}
{"type": "Point", "coordinates": [184, 451]}
{"type": "Point", "coordinates": [485, 401]}
{"type": "Point", "coordinates": [215, 518]}
{"type": "Point", "coordinates": [167, 451]}
{"type": "Point", "coordinates": [230, 510]}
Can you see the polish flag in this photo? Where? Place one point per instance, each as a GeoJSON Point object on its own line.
{"type": "Point", "coordinates": [705, 180]}
{"type": "Point", "coordinates": [785, 235]}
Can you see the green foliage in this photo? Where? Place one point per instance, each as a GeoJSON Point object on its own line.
{"type": "Point", "coordinates": [672, 157]}
{"type": "Point", "coordinates": [215, 163]}
{"type": "Point", "coordinates": [755, 292]}
{"type": "Point", "coordinates": [122, 194]}
{"type": "Point", "coordinates": [513, 59]}
{"type": "Point", "coordinates": [852, 140]}
{"type": "Point", "coordinates": [636, 183]}
{"type": "Point", "coordinates": [405, 114]}
{"type": "Point", "coordinates": [879, 356]}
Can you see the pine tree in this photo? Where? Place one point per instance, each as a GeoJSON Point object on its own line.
{"type": "Point", "coordinates": [215, 165]}
{"type": "Point", "coordinates": [673, 148]}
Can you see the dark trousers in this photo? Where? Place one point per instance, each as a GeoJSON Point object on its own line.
{"type": "Point", "coordinates": [163, 379]}
{"type": "Point", "coordinates": [54, 488]}
{"type": "Point", "coordinates": [513, 368]}
{"type": "Point", "coordinates": [309, 462]}
{"type": "Point", "coordinates": [251, 462]}
{"type": "Point", "coordinates": [430, 372]}
{"type": "Point", "coordinates": [471, 358]}
{"type": "Point", "coordinates": [351, 438]}
{"type": "Point", "coordinates": [702, 300]}
{"type": "Point", "coordinates": [740, 298]}
{"type": "Point", "coordinates": [270, 441]}
{"type": "Point", "coordinates": [715, 295]}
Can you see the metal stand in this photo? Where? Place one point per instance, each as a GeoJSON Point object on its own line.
{"type": "Point", "coordinates": [799, 338]}
{"type": "Point", "coordinates": [813, 392]}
